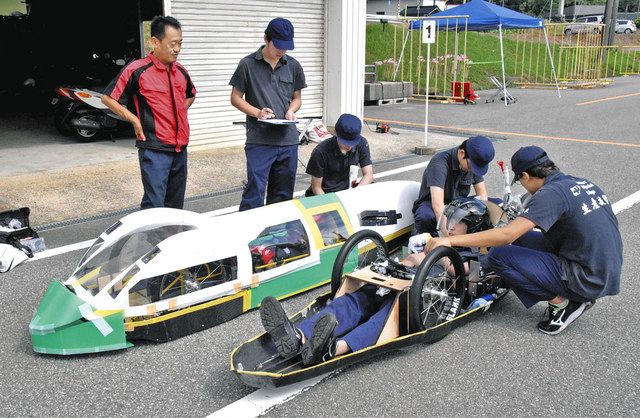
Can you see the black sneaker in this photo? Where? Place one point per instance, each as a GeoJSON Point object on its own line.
{"type": "Point", "coordinates": [560, 318]}
{"type": "Point", "coordinates": [286, 337]}
{"type": "Point", "coordinates": [321, 346]}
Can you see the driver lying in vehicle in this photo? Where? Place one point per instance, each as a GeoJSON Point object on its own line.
{"type": "Point", "coordinates": [354, 321]}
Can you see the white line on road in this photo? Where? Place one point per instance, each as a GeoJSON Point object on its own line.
{"type": "Point", "coordinates": [61, 250]}
{"type": "Point", "coordinates": [626, 203]}
{"type": "Point", "coordinates": [86, 244]}
{"type": "Point", "coordinates": [260, 401]}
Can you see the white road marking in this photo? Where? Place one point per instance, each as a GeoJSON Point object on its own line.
{"type": "Point", "coordinates": [86, 244]}
{"type": "Point", "coordinates": [61, 250]}
{"type": "Point", "coordinates": [626, 203]}
{"type": "Point", "coordinates": [262, 400]}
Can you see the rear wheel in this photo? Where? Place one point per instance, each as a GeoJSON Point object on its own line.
{"type": "Point", "coordinates": [86, 135]}
{"type": "Point", "coordinates": [357, 252]}
{"type": "Point", "coordinates": [437, 291]}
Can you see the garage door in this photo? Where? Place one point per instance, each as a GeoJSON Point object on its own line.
{"type": "Point", "coordinates": [218, 33]}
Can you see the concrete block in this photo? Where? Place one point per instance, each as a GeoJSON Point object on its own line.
{"type": "Point", "coordinates": [407, 88]}
{"type": "Point", "coordinates": [392, 90]}
{"type": "Point", "coordinates": [372, 91]}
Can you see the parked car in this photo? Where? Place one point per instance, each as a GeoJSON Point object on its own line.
{"type": "Point", "coordinates": [625, 26]}
{"type": "Point", "coordinates": [585, 24]}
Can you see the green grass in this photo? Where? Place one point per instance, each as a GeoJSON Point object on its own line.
{"type": "Point", "coordinates": [483, 52]}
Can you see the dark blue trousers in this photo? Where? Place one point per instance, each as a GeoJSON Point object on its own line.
{"type": "Point", "coordinates": [361, 316]}
{"type": "Point", "coordinates": [531, 270]}
{"type": "Point", "coordinates": [270, 169]}
{"type": "Point", "coordinates": [164, 178]}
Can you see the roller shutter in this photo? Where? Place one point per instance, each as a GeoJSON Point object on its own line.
{"type": "Point", "coordinates": [218, 33]}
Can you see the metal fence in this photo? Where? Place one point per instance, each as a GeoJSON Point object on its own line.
{"type": "Point", "coordinates": [448, 62]}
{"type": "Point", "coordinates": [578, 54]}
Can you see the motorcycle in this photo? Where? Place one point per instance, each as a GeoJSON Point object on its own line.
{"type": "Point", "coordinates": [80, 112]}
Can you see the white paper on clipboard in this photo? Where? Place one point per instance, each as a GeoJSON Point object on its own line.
{"type": "Point", "coordinates": [279, 121]}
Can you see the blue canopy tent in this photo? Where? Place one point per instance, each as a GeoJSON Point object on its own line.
{"type": "Point", "coordinates": [479, 15]}
{"type": "Point", "coordinates": [484, 16]}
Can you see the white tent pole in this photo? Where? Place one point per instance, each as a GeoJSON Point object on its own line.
{"type": "Point", "coordinates": [504, 78]}
{"type": "Point", "coordinates": [553, 68]}
{"type": "Point", "coordinates": [404, 44]}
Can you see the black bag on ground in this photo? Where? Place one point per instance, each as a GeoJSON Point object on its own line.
{"type": "Point", "coordinates": [13, 236]}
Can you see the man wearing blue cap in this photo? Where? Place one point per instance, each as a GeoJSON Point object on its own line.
{"type": "Point", "coordinates": [267, 84]}
{"type": "Point", "coordinates": [331, 160]}
{"type": "Point", "coordinates": [574, 259]}
{"type": "Point", "coordinates": [450, 175]}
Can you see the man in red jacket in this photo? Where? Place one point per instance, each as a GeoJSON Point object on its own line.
{"type": "Point", "coordinates": [160, 91]}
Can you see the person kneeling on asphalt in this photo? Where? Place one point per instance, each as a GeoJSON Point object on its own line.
{"type": "Point", "coordinates": [577, 256]}
{"type": "Point", "coordinates": [449, 176]}
{"type": "Point", "coordinates": [355, 320]}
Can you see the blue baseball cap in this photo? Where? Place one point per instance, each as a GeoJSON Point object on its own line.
{"type": "Point", "coordinates": [526, 158]}
{"type": "Point", "coordinates": [280, 30]}
{"type": "Point", "coordinates": [480, 152]}
{"type": "Point", "coordinates": [348, 128]}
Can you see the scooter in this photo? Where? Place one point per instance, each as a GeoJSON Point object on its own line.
{"type": "Point", "coordinates": [81, 112]}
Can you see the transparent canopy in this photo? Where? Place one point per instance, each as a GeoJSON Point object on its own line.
{"type": "Point", "coordinates": [111, 260]}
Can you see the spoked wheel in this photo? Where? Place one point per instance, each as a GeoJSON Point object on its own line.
{"type": "Point", "coordinates": [437, 291]}
{"type": "Point", "coordinates": [86, 135]}
{"type": "Point", "coordinates": [357, 252]}
{"type": "Point", "coordinates": [192, 279]}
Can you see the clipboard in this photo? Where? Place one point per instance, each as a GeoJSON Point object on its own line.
{"type": "Point", "coordinates": [279, 121]}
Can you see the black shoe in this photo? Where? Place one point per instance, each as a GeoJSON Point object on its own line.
{"type": "Point", "coordinates": [559, 319]}
{"type": "Point", "coordinates": [286, 337]}
{"type": "Point", "coordinates": [321, 346]}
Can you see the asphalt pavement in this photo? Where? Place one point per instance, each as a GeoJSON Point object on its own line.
{"type": "Point", "coordinates": [497, 365]}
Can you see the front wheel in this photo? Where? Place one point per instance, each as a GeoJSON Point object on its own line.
{"type": "Point", "coordinates": [58, 121]}
{"type": "Point", "coordinates": [437, 291]}
{"type": "Point", "coordinates": [357, 252]}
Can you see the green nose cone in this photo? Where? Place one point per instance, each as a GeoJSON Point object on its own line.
{"type": "Point", "coordinates": [64, 324]}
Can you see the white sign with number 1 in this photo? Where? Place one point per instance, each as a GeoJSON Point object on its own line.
{"type": "Point", "coordinates": [428, 31]}
{"type": "Point", "coordinates": [428, 37]}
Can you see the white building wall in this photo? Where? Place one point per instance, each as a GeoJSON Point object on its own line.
{"type": "Point", "coordinates": [346, 34]}
{"type": "Point", "coordinates": [219, 33]}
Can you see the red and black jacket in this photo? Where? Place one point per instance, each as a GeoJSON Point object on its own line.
{"type": "Point", "coordinates": [159, 96]}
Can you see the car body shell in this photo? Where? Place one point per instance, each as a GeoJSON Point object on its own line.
{"type": "Point", "coordinates": [160, 274]}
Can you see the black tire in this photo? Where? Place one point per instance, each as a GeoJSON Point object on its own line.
{"type": "Point", "coordinates": [567, 31]}
{"type": "Point", "coordinates": [627, 30]}
{"type": "Point", "coordinates": [58, 116]}
{"type": "Point", "coordinates": [348, 253]}
{"type": "Point", "coordinates": [436, 296]}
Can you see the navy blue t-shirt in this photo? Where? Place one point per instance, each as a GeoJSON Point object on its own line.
{"type": "Point", "coordinates": [576, 217]}
{"type": "Point", "coordinates": [444, 171]}
{"type": "Point", "coordinates": [330, 164]}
